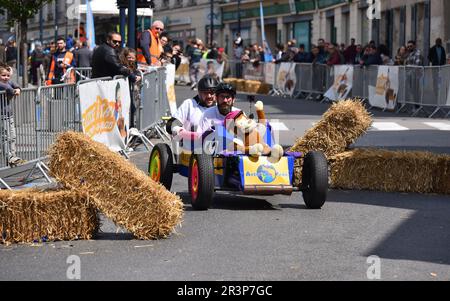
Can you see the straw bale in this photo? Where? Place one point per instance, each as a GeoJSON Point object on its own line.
{"type": "Point", "coordinates": [122, 192]}
{"type": "Point", "coordinates": [339, 127]}
{"type": "Point", "coordinates": [442, 176]}
{"type": "Point", "coordinates": [32, 215]}
{"type": "Point", "coordinates": [240, 85]}
{"type": "Point", "coordinates": [231, 81]}
{"type": "Point", "coordinates": [390, 171]}
{"type": "Point", "coordinates": [252, 86]}
{"type": "Point", "coordinates": [264, 89]}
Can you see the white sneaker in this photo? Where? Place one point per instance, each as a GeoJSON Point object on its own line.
{"type": "Point", "coordinates": [14, 160]}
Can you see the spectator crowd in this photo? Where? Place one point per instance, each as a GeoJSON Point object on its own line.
{"type": "Point", "coordinates": [333, 54]}
{"type": "Point", "coordinates": [49, 63]}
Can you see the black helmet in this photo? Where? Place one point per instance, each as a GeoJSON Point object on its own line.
{"type": "Point", "coordinates": [225, 87]}
{"type": "Point", "coordinates": [207, 83]}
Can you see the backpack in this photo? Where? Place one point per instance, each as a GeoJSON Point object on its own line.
{"type": "Point", "coordinates": [138, 39]}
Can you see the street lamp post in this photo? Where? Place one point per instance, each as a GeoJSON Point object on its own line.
{"type": "Point", "coordinates": [123, 22]}
{"type": "Point", "coordinates": [41, 26]}
{"type": "Point", "coordinates": [239, 16]}
{"type": "Point", "coordinates": [211, 32]}
{"type": "Point", "coordinates": [132, 24]}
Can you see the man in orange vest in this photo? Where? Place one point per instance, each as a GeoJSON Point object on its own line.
{"type": "Point", "coordinates": [150, 46]}
{"type": "Point", "coordinates": [61, 60]}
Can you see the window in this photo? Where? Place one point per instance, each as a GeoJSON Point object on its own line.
{"type": "Point", "coordinates": [302, 33]}
{"type": "Point", "coordinates": [346, 28]}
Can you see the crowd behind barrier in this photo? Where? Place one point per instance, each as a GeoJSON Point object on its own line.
{"type": "Point", "coordinates": [41, 114]}
{"type": "Point", "coordinates": [421, 90]}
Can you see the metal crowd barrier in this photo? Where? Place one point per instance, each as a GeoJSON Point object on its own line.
{"type": "Point", "coordinates": [444, 92]}
{"type": "Point", "coordinates": [39, 115]}
{"type": "Point", "coordinates": [149, 100]}
{"type": "Point", "coordinates": [276, 90]}
{"type": "Point", "coordinates": [154, 104]}
{"type": "Point", "coordinates": [57, 110]}
{"type": "Point", "coordinates": [235, 69]}
{"type": "Point", "coordinates": [21, 110]}
{"type": "Point", "coordinates": [81, 73]}
{"type": "Point", "coordinates": [421, 90]}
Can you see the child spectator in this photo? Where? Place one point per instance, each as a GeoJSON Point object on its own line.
{"type": "Point", "coordinates": [7, 114]}
{"type": "Point", "coordinates": [127, 58]}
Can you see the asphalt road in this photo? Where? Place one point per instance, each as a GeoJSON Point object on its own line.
{"type": "Point", "coordinates": [276, 238]}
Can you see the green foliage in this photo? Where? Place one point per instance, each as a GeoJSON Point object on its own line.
{"type": "Point", "coordinates": [21, 10]}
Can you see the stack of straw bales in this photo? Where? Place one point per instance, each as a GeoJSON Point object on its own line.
{"type": "Point", "coordinates": [231, 81]}
{"type": "Point", "coordinates": [252, 86]}
{"type": "Point", "coordinates": [339, 127]}
{"type": "Point", "coordinates": [32, 215]}
{"type": "Point", "coordinates": [122, 192]}
{"type": "Point", "coordinates": [391, 171]}
{"type": "Point", "coordinates": [370, 169]}
{"type": "Point", "coordinates": [256, 87]}
{"type": "Point", "coordinates": [264, 89]}
{"type": "Point", "coordinates": [240, 85]}
{"type": "Point", "coordinates": [249, 86]}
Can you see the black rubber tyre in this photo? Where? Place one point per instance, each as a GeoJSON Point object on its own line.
{"type": "Point", "coordinates": [201, 181]}
{"type": "Point", "coordinates": [315, 180]}
{"type": "Point", "coordinates": [160, 166]}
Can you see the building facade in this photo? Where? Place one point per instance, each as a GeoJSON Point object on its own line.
{"type": "Point", "coordinates": [399, 21]}
{"type": "Point", "coordinates": [63, 17]}
{"type": "Point", "coordinates": [55, 21]}
{"type": "Point", "coordinates": [283, 20]}
{"type": "Point", "coordinates": [5, 30]}
{"type": "Point", "coordinates": [338, 21]}
{"type": "Point", "coordinates": [187, 19]}
{"type": "Point", "coordinates": [305, 20]}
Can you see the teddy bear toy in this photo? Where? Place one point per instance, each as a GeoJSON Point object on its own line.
{"type": "Point", "coordinates": [248, 134]}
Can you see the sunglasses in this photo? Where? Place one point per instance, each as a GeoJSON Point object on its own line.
{"type": "Point", "coordinates": [159, 28]}
{"type": "Point", "coordinates": [225, 96]}
{"type": "Point", "coordinates": [116, 42]}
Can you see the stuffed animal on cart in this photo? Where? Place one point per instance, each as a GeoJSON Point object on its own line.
{"type": "Point", "coordinates": [248, 134]}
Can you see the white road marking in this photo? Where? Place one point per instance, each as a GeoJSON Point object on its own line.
{"type": "Point", "coordinates": [388, 126]}
{"type": "Point", "coordinates": [278, 126]}
{"type": "Point", "coordinates": [439, 125]}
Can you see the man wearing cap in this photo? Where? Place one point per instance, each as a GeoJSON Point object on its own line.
{"type": "Point", "coordinates": [225, 96]}
{"type": "Point", "coordinates": [187, 118]}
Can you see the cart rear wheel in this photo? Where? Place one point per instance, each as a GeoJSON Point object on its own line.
{"type": "Point", "coordinates": [315, 180]}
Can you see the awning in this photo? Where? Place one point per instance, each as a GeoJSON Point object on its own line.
{"type": "Point", "coordinates": [109, 7]}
